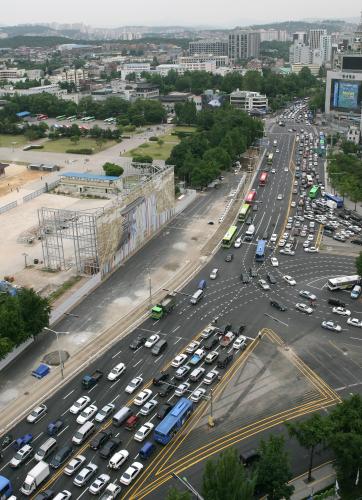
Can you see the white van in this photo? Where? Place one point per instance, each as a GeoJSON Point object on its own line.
{"type": "Point", "coordinates": [46, 449]}
{"type": "Point", "coordinates": [83, 433]}
{"type": "Point", "coordinates": [121, 416]}
{"type": "Point", "coordinates": [250, 232]}
{"type": "Point", "coordinates": [356, 292]}
{"type": "Point", "coordinates": [197, 296]}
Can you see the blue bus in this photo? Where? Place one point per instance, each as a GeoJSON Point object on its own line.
{"type": "Point", "coordinates": [173, 421]}
{"type": "Point", "coordinates": [336, 199]}
{"type": "Point", "coordinates": [260, 251]}
{"type": "Point", "coordinates": [6, 489]}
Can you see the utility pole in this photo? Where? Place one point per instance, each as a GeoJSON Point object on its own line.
{"type": "Point", "coordinates": [185, 482]}
{"type": "Point", "coordinates": [58, 347]}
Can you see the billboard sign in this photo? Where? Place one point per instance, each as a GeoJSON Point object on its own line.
{"type": "Point", "coordinates": [345, 95]}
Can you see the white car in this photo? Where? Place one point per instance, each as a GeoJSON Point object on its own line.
{"type": "Point", "coordinates": [179, 360]}
{"type": "Point", "coordinates": [287, 251]}
{"type": "Point", "coordinates": [152, 340]}
{"type": "Point", "coordinates": [198, 394]}
{"type": "Point", "coordinates": [331, 325]}
{"type": "Point", "coordinates": [86, 414]}
{"type": "Point", "coordinates": [213, 274]}
{"type": "Point", "coordinates": [79, 405]}
{"type": "Point", "coordinates": [132, 472]}
{"type": "Point", "coordinates": [273, 238]}
{"type": "Point", "coordinates": [306, 244]}
{"type": "Point", "coordinates": [21, 456]}
{"type": "Point", "coordinates": [341, 311]}
{"type": "Point", "coordinates": [99, 484]}
{"type": "Point", "coordinates": [105, 412]}
{"type": "Point", "coordinates": [293, 204]}
{"type": "Point", "coordinates": [85, 474]}
{"type": "Point", "coordinates": [148, 407]}
{"type": "Point", "coordinates": [116, 371]}
{"type": "Point", "coordinates": [264, 285]}
{"type": "Point", "coordinates": [143, 431]}
{"type": "Point", "coordinates": [118, 459]}
{"type": "Point", "coordinates": [142, 397]}
{"type": "Point", "coordinates": [274, 262]}
{"type": "Point", "coordinates": [240, 342]}
{"type": "Point", "coordinates": [63, 495]}
{"type": "Point", "coordinates": [303, 308]}
{"type": "Point", "coordinates": [281, 242]}
{"type": "Point", "coordinates": [354, 322]}
{"type": "Point", "coordinates": [75, 464]}
{"type": "Point", "coordinates": [192, 346]}
{"type": "Point", "coordinates": [237, 243]}
{"type": "Point", "coordinates": [37, 414]}
{"type": "Point", "coordinates": [210, 377]}
{"type": "Point", "coordinates": [279, 197]}
{"type": "Point", "coordinates": [273, 171]}
{"type": "Point", "coordinates": [291, 281]}
{"type": "Point", "coordinates": [132, 386]}
{"type": "Point", "coordinates": [182, 389]}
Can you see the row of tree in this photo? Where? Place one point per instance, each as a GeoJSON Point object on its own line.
{"type": "Point", "coordinates": [94, 132]}
{"type": "Point", "coordinates": [222, 135]}
{"type": "Point", "coordinates": [340, 431]}
{"type": "Point", "coordinates": [21, 316]}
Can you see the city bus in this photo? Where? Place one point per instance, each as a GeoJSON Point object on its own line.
{"type": "Point", "coordinates": [314, 192]}
{"type": "Point", "coordinates": [6, 489]}
{"type": "Point", "coordinates": [263, 178]}
{"type": "Point", "coordinates": [243, 213]}
{"type": "Point", "coordinates": [173, 421]}
{"type": "Point", "coordinates": [250, 197]}
{"type": "Point", "coordinates": [309, 180]}
{"type": "Point", "coordinates": [110, 120]}
{"type": "Point", "coordinates": [260, 251]}
{"type": "Point", "coordinates": [41, 117]}
{"type": "Point", "coordinates": [229, 237]}
{"type": "Point", "coordinates": [61, 117]}
{"type": "Point", "coordinates": [337, 199]}
{"type": "Point", "coordinates": [270, 158]}
{"type": "Point", "coordinates": [72, 118]}
{"type": "Point", "coordinates": [342, 282]}
{"type": "Point", "coordinates": [88, 119]}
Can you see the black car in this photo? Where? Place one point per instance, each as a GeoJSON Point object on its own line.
{"type": "Point", "coordinates": [255, 207]}
{"type": "Point", "coordinates": [100, 439]}
{"type": "Point", "coordinates": [356, 242]}
{"type": "Point", "coordinates": [45, 495]}
{"type": "Point", "coordinates": [138, 342]}
{"type": "Point", "coordinates": [249, 220]}
{"type": "Point", "coordinates": [277, 305]}
{"type": "Point", "coordinates": [253, 272]}
{"type": "Point", "coordinates": [161, 377]}
{"type": "Point", "coordinates": [110, 447]}
{"type": "Point", "coordinates": [7, 439]}
{"type": "Point", "coordinates": [163, 410]}
{"type": "Point", "coordinates": [165, 390]}
{"type": "Point", "coordinates": [245, 278]}
{"type": "Point", "coordinates": [224, 359]}
{"type": "Point", "coordinates": [61, 456]}
{"type": "Point", "coordinates": [229, 257]}
{"type": "Point", "coordinates": [241, 329]}
{"type": "Point", "coordinates": [271, 278]}
{"type": "Point", "coordinates": [336, 303]}
{"type": "Point", "coordinates": [211, 343]}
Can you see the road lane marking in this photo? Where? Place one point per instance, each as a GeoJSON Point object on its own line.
{"type": "Point", "coordinates": [37, 437]}
{"type": "Point", "coordinates": [61, 432]}
{"type": "Point", "coordinates": [175, 329]}
{"type": "Point", "coordinates": [177, 341]}
{"type": "Point", "coordinates": [113, 400]}
{"type": "Point", "coordinates": [69, 393]}
{"type": "Point", "coordinates": [138, 362]}
{"type": "Point", "coordinates": [114, 383]}
{"type": "Point", "coordinates": [115, 355]}
{"type": "Point", "coordinates": [90, 390]}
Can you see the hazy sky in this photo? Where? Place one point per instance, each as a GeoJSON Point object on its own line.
{"type": "Point", "coordinates": [226, 13]}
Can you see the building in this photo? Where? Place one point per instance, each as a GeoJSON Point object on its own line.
{"type": "Point", "coordinates": [147, 91]}
{"type": "Point", "coordinates": [315, 38]}
{"type": "Point", "coordinates": [164, 69]}
{"type": "Point", "coordinates": [11, 74]}
{"type": "Point", "coordinates": [216, 47]}
{"type": "Point", "coordinates": [272, 35]}
{"type": "Point", "coordinates": [300, 37]}
{"type": "Point", "coordinates": [325, 47]}
{"type": "Point", "coordinates": [85, 184]}
{"type": "Point", "coordinates": [138, 68]}
{"type": "Point", "coordinates": [314, 68]}
{"type": "Point", "coordinates": [353, 134]}
{"type": "Point", "coordinates": [244, 44]}
{"type": "Point", "coordinates": [193, 63]}
{"type": "Point", "coordinates": [247, 101]}
{"type": "Point", "coordinates": [343, 87]}
{"type": "Point", "coordinates": [187, 62]}
{"type": "Point", "coordinates": [170, 100]}
{"type": "Point", "coordinates": [35, 74]}
{"type": "Point", "coordinates": [299, 53]}
{"type": "Point", "coordinates": [49, 89]}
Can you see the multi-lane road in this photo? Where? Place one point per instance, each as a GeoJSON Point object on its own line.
{"type": "Point", "coordinates": [290, 367]}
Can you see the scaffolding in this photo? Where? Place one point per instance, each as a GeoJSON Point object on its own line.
{"type": "Point", "coordinates": [56, 226]}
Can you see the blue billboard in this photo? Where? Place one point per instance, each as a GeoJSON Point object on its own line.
{"type": "Point", "coordinates": [345, 95]}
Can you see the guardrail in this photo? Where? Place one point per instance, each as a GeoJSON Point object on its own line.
{"type": "Point", "coordinates": [33, 195]}
{"type": "Point", "coordinates": [8, 207]}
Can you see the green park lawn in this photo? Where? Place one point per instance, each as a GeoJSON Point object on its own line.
{"type": "Point", "coordinates": [61, 145]}
{"type": "Point", "coordinates": [153, 149]}
{"type": "Point", "coordinates": [6, 141]}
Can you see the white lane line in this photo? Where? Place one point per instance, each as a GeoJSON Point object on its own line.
{"type": "Point", "coordinates": [177, 341]}
{"type": "Point", "coordinates": [90, 390]}
{"type": "Point", "coordinates": [356, 338]}
{"type": "Point", "coordinates": [37, 437]}
{"type": "Point", "coordinates": [175, 329]}
{"type": "Point", "coordinates": [115, 355]}
{"type": "Point", "coordinates": [135, 458]}
{"type": "Point", "coordinates": [113, 400]}
{"type": "Point", "coordinates": [64, 412]}
{"type": "Point", "coordinates": [85, 491]}
{"type": "Point", "coordinates": [61, 432]}
{"type": "Point", "coordinates": [114, 383]}
{"type": "Point", "coordinates": [138, 362]}
{"type": "Point", "coordinates": [3, 467]}
{"type": "Point", "coordinates": [158, 359]}
{"type": "Point", "coordinates": [69, 393]}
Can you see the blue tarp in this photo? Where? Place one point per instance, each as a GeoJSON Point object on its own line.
{"type": "Point", "coordinates": [41, 371]}
{"type": "Point", "coordinates": [80, 175]}
{"type": "Point", "coordinates": [23, 114]}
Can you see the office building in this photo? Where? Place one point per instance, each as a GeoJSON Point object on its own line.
{"type": "Point", "coordinates": [190, 61]}
{"type": "Point", "coordinates": [273, 35]}
{"type": "Point", "coordinates": [10, 74]}
{"type": "Point", "coordinates": [244, 44]}
{"type": "Point", "coordinates": [247, 101]}
{"type": "Point", "coordinates": [299, 53]}
{"type": "Point", "coordinates": [216, 47]}
{"type": "Point", "coordinates": [315, 38]}
{"type": "Point", "coordinates": [137, 68]}
{"type": "Point", "coordinates": [325, 47]}
{"type": "Point", "coordinates": [300, 36]}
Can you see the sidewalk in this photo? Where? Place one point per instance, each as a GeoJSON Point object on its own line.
{"type": "Point", "coordinates": [323, 476]}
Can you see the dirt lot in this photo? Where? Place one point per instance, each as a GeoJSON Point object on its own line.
{"type": "Point", "coordinates": [16, 176]}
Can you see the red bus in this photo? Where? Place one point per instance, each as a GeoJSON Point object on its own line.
{"type": "Point", "coordinates": [263, 178]}
{"type": "Point", "coordinates": [250, 196]}
{"type": "Point", "coordinates": [41, 117]}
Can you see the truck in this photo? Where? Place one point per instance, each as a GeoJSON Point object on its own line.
{"type": "Point", "coordinates": [35, 477]}
{"type": "Point", "coordinates": [331, 204]}
{"type": "Point", "coordinates": [90, 381]}
{"type": "Point", "coordinates": [164, 307]}
{"type": "Point", "coordinates": [112, 491]}
{"type": "Point", "coordinates": [227, 339]}
{"type": "Point", "coordinates": [197, 357]}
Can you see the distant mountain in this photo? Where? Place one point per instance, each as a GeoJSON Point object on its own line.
{"type": "Point", "coordinates": [330, 25]}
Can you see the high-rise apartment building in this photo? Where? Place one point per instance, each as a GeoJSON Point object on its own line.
{"type": "Point", "coordinates": [325, 47]}
{"type": "Point", "coordinates": [244, 44]}
{"type": "Point", "coordinates": [216, 47]}
{"type": "Point", "coordinates": [300, 36]}
{"type": "Point", "coordinates": [299, 53]}
{"type": "Point", "coordinates": [315, 38]}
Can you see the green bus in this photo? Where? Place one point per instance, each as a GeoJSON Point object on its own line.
{"type": "Point", "coordinates": [72, 118]}
{"type": "Point", "coordinates": [243, 213]}
{"type": "Point", "coordinates": [229, 237]}
{"type": "Point", "coordinates": [270, 159]}
{"type": "Point", "coordinates": [61, 117]}
{"type": "Point", "coordinates": [314, 192]}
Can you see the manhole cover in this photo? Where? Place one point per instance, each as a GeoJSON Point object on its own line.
{"type": "Point", "coordinates": [52, 358]}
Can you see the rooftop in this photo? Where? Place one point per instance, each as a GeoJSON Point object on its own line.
{"type": "Point", "coordinates": [91, 177]}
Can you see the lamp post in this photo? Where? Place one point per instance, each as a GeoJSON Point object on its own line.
{"type": "Point", "coordinates": [25, 256]}
{"type": "Point", "coordinates": [60, 356]}
{"type": "Point", "coordinates": [185, 482]}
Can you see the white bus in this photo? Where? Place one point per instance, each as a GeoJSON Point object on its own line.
{"type": "Point", "coordinates": [309, 180]}
{"type": "Point", "coordinates": [342, 282]}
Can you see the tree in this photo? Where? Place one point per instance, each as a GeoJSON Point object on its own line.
{"type": "Point", "coordinates": [35, 310]}
{"type": "Point", "coordinates": [175, 494]}
{"type": "Point", "coordinates": [359, 264]}
{"type": "Point", "coordinates": [100, 141]}
{"type": "Point", "coordinates": [113, 169]}
{"type": "Point", "coordinates": [142, 159]}
{"type": "Point", "coordinates": [310, 434]}
{"type": "Point", "coordinates": [226, 478]}
{"type": "Point", "coordinates": [74, 139]}
{"type": "Point", "coordinates": [274, 469]}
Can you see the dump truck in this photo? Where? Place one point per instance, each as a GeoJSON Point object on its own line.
{"type": "Point", "coordinates": [35, 477]}
{"type": "Point", "coordinates": [88, 381]}
{"type": "Point", "coordinates": [164, 307]}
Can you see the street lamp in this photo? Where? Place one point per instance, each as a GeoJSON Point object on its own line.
{"type": "Point", "coordinates": [60, 357]}
{"type": "Point", "coordinates": [185, 482]}
{"type": "Point", "coordinates": [25, 256]}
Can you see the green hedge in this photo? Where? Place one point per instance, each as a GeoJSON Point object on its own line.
{"type": "Point", "coordinates": [153, 138]}
{"type": "Point", "coordinates": [83, 151]}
